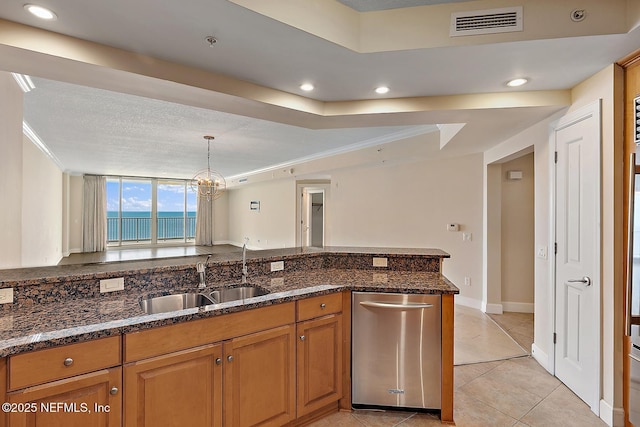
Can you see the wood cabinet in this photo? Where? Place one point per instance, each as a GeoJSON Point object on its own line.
{"type": "Point", "coordinates": [178, 389]}
{"type": "Point", "coordinates": [71, 385]}
{"type": "Point", "coordinates": [41, 366]}
{"type": "Point", "coordinates": [319, 363]}
{"type": "Point", "coordinates": [259, 378]}
{"type": "Point", "coordinates": [319, 352]}
{"type": "Point", "coordinates": [92, 399]}
{"type": "Point", "coordinates": [245, 377]}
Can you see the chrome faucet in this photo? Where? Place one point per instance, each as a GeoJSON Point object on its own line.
{"type": "Point", "coordinates": [244, 263]}
{"type": "Point", "coordinates": [201, 268]}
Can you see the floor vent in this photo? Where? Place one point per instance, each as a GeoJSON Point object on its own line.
{"type": "Point", "coordinates": [491, 21]}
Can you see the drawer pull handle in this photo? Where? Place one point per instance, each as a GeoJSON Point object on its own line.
{"type": "Point", "coordinates": [68, 361]}
{"type": "Point", "coordinates": [301, 337]}
{"type": "Point", "coordinates": [230, 358]}
{"type": "Point", "coordinates": [113, 391]}
{"type": "Point", "coordinates": [218, 361]}
{"type": "Point", "coordinates": [323, 305]}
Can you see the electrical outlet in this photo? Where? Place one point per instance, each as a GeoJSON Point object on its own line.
{"type": "Point", "coordinates": [6, 296]}
{"type": "Point", "coordinates": [453, 227]}
{"type": "Point", "coordinates": [379, 262]}
{"type": "Point", "coordinates": [110, 285]}
{"type": "Point", "coordinates": [277, 266]}
{"type": "Point", "coordinates": [277, 281]}
{"type": "Point", "coordinates": [542, 252]}
{"type": "Point", "coordinates": [467, 281]}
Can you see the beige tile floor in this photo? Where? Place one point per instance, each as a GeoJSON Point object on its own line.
{"type": "Point", "coordinates": [479, 338]}
{"type": "Point", "coordinates": [515, 392]}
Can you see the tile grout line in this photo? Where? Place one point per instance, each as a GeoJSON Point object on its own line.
{"type": "Point", "coordinates": [507, 334]}
{"type": "Point", "coordinates": [490, 406]}
{"type": "Point", "coordinates": [536, 405]}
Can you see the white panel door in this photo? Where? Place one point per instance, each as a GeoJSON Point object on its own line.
{"type": "Point", "coordinates": [577, 284]}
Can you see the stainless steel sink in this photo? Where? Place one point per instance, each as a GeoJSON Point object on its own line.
{"type": "Point", "coordinates": [175, 302]}
{"type": "Point", "coordinates": [233, 294]}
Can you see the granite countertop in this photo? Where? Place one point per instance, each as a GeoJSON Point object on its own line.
{"type": "Point", "coordinates": [101, 270]}
{"type": "Point", "coordinates": [79, 319]}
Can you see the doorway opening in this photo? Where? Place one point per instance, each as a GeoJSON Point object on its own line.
{"type": "Point", "coordinates": [511, 235]}
{"type": "Point", "coordinates": [311, 214]}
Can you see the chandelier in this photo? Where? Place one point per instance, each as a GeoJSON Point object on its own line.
{"type": "Point", "coordinates": [208, 183]}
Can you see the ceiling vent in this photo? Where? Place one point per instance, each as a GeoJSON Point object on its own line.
{"type": "Point", "coordinates": [470, 23]}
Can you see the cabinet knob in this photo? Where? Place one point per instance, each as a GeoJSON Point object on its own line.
{"type": "Point", "coordinates": [230, 358]}
{"type": "Point", "coordinates": [218, 361]}
{"type": "Point", "coordinates": [323, 305]}
{"type": "Point", "coordinates": [301, 337]}
{"type": "Point", "coordinates": [113, 391]}
{"type": "Point", "coordinates": [68, 361]}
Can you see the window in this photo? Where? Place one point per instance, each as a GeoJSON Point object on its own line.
{"type": "Point", "coordinates": [149, 211]}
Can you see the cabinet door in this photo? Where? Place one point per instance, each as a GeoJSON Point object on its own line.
{"type": "Point", "coordinates": [179, 389]}
{"type": "Point", "coordinates": [319, 363]}
{"type": "Point", "coordinates": [259, 378]}
{"type": "Point", "coordinates": [87, 400]}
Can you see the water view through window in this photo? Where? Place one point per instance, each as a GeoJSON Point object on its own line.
{"type": "Point", "coordinates": [149, 211]}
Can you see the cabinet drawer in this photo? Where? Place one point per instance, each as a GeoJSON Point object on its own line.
{"type": "Point", "coordinates": [51, 364]}
{"type": "Point", "coordinates": [319, 306]}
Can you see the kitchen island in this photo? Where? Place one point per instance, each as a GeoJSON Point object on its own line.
{"type": "Point", "coordinates": [56, 307]}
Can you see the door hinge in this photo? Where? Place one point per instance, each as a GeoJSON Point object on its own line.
{"type": "Point", "coordinates": [555, 248]}
{"type": "Point", "coordinates": [554, 337]}
{"type": "Point", "coordinates": [555, 157]}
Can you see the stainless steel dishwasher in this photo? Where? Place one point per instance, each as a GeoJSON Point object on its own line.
{"type": "Point", "coordinates": [396, 356]}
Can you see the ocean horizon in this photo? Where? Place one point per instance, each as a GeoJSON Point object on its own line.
{"type": "Point", "coordinates": [147, 214]}
{"type": "Point", "coordinates": [136, 226]}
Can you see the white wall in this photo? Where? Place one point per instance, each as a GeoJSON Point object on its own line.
{"type": "Point", "coordinates": [536, 137]}
{"type": "Point", "coordinates": [30, 190]}
{"type": "Point", "coordinates": [517, 234]}
{"type": "Point", "coordinates": [409, 205]}
{"type": "Point", "coordinates": [10, 172]}
{"type": "Point", "coordinates": [607, 85]}
{"type": "Point", "coordinates": [41, 208]}
{"type": "Point", "coordinates": [274, 225]}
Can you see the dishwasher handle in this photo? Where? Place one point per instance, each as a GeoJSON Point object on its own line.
{"type": "Point", "coordinates": [401, 306]}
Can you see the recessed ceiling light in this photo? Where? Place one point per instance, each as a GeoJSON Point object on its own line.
{"type": "Point", "coordinates": [382, 90]}
{"type": "Point", "coordinates": [307, 87]}
{"type": "Point", "coordinates": [40, 12]}
{"type": "Point", "coordinates": [517, 82]}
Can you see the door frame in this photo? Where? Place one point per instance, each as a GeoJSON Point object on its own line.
{"type": "Point", "coordinates": [310, 192]}
{"type": "Point", "coordinates": [322, 186]}
{"type": "Point", "coordinates": [590, 110]}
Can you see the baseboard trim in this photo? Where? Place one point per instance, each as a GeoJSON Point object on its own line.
{"type": "Point", "coordinates": [467, 302]}
{"type": "Point", "coordinates": [518, 307]}
{"type": "Point", "coordinates": [492, 308]}
{"type": "Point", "coordinates": [613, 417]}
{"type": "Point", "coordinates": [541, 357]}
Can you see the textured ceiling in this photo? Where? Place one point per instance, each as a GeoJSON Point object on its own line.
{"type": "Point", "coordinates": [96, 131]}
{"type": "Point", "coordinates": [104, 132]}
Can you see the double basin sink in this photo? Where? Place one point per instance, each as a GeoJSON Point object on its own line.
{"type": "Point", "coordinates": [176, 302]}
